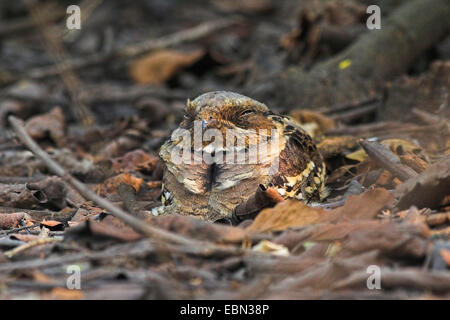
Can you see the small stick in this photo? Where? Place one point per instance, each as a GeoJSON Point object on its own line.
{"type": "Point", "coordinates": [137, 224]}
{"type": "Point", "coordinates": [387, 159]}
{"type": "Point", "coordinates": [31, 244]}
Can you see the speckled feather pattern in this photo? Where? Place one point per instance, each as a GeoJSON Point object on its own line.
{"type": "Point", "coordinates": [193, 189]}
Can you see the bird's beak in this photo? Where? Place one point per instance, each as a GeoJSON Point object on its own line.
{"type": "Point", "coordinates": [207, 123]}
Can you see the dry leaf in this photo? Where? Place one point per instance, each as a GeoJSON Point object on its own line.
{"type": "Point", "coordinates": [159, 66]}
{"type": "Point", "coordinates": [293, 213]}
{"type": "Point", "coordinates": [428, 189]}
{"type": "Point", "coordinates": [289, 213]}
{"type": "Point", "coordinates": [11, 220]}
{"type": "Point", "coordinates": [91, 231]}
{"type": "Point", "coordinates": [53, 225]}
{"type": "Point", "coordinates": [364, 206]}
{"type": "Point", "coordinates": [359, 155]}
{"type": "Point", "coordinates": [110, 185]}
{"type": "Point", "coordinates": [195, 228]}
{"type": "Point", "coordinates": [134, 161]}
{"type": "Point", "coordinates": [401, 240]}
{"type": "Point", "coordinates": [51, 124]}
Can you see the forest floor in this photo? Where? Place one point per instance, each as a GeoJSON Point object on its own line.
{"type": "Point", "coordinates": [101, 100]}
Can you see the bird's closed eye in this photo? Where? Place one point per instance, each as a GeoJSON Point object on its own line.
{"type": "Point", "coordinates": [247, 112]}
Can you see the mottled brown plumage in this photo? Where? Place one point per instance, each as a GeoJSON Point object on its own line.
{"type": "Point", "coordinates": [212, 191]}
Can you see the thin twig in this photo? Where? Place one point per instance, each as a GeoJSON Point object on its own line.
{"type": "Point", "coordinates": [31, 244]}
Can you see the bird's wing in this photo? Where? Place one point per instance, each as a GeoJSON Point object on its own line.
{"type": "Point", "coordinates": [301, 172]}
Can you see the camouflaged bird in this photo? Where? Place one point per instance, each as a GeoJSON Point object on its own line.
{"type": "Point", "coordinates": [212, 190]}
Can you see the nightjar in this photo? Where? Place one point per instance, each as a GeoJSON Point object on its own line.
{"type": "Point", "coordinates": [226, 146]}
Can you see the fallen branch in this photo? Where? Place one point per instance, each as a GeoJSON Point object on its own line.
{"type": "Point", "coordinates": [31, 244]}
{"type": "Point", "coordinates": [387, 159]}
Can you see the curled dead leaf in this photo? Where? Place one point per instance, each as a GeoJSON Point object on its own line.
{"type": "Point", "coordinates": [159, 66]}
{"type": "Point", "coordinates": [53, 225]}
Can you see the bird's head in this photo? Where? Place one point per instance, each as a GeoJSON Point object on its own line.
{"type": "Point", "coordinates": [226, 110]}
